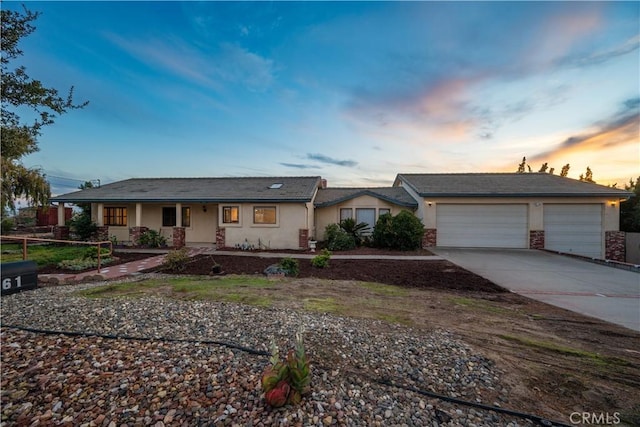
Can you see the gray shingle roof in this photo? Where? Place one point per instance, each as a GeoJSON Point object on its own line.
{"type": "Point", "coordinates": [504, 185]}
{"type": "Point", "coordinates": [213, 190]}
{"type": "Point", "coordinates": [333, 196]}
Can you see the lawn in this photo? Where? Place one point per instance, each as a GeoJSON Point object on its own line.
{"type": "Point", "coordinates": [42, 254]}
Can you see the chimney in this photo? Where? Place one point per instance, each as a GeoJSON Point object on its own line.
{"type": "Point", "coordinates": [323, 183]}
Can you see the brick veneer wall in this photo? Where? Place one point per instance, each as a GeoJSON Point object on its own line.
{"type": "Point", "coordinates": [221, 237]}
{"type": "Point", "coordinates": [61, 232]}
{"type": "Point", "coordinates": [179, 237]}
{"type": "Point", "coordinates": [135, 233]}
{"type": "Point", "coordinates": [430, 238]}
{"type": "Point", "coordinates": [303, 238]}
{"type": "Point", "coordinates": [614, 246]}
{"type": "Point", "coordinates": [536, 239]}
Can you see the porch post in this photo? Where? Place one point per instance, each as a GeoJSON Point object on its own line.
{"type": "Point", "coordinates": [61, 231]}
{"type": "Point", "coordinates": [178, 229]}
{"type": "Point", "coordinates": [61, 214]}
{"type": "Point", "coordinates": [100, 219]}
{"type": "Point", "coordinates": [138, 214]}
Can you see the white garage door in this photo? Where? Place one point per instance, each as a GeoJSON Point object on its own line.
{"type": "Point", "coordinates": [482, 226]}
{"type": "Point", "coordinates": [575, 229]}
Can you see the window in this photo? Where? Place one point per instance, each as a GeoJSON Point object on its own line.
{"type": "Point", "coordinates": [230, 214]}
{"type": "Point", "coordinates": [368, 216]}
{"type": "Point", "coordinates": [264, 215]}
{"type": "Point", "coordinates": [276, 186]}
{"type": "Point", "coordinates": [169, 217]}
{"type": "Point", "coordinates": [115, 216]}
{"type": "Point", "coordinates": [346, 213]}
{"type": "Point", "coordinates": [383, 211]}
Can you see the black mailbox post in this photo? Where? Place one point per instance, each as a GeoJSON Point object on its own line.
{"type": "Point", "coordinates": [19, 276]}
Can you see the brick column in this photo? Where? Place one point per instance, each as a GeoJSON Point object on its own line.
{"type": "Point", "coordinates": [430, 238]}
{"type": "Point", "coordinates": [303, 238]}
{"type": "Point", "coordinates": [614, 246]}
{"type": "Point", "coordinates": [536, 239]}
{"type": "Point", "coordinates": [135, 233]}
{"type": "Point", "coordinates": [102, 232]}
{"type": "Point", "coordinates": [61, 232]}
{"type": "Point", "coordinates": [220, 238]}
{"type": "Point", "coordinates": [178, 237]}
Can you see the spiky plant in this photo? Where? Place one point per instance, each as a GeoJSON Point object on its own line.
{"type": "Point", "coordinates": [299, 370]}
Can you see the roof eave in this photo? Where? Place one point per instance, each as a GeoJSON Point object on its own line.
{"type": "Point", "coordinates": [457, 195]}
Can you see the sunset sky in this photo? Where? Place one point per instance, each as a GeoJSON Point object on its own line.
{"type": "Point", "coordinates": [353, 91]}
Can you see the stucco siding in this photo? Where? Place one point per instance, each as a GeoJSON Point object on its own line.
{"type": "Point", "coordinates": [331, 214]}
{"type": "Point", "coordinates": [290, 218]}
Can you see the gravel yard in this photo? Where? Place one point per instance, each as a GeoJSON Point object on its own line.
{"type": "Point", "coordinates": [53, 379]}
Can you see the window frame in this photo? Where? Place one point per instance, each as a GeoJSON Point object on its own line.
{"type": "Point", "coordinates": [117, 219]}
{"type": "Point", "coordinates": [230, 208]}
{"type": "Point", "coordinates": [265, 224]}
{"type": "Point", "coordinates": [342, 218]}
{"type": "Point", "coordinates": [186, 216]}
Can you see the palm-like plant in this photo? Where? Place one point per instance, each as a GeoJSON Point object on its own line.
{"type": "Point", "coordinates": [357, 230]}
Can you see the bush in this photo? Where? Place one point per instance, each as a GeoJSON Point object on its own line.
{"type": "Point", "coordinates": [322, 260]}
{"type": "Point", "coordinates": [152, 239]}
{"type": "Point", "coordinates": [356, 230]}
{"type": "Point", "coordinates": [7, 225]}
{"type": "Point", "coordinates": [383, 232]}
{"type": "Point", "coordinates": [403, 232]}
{"type": "Point", "coordinates": [290, 266]}
{"type": "Point", "coordinates": [92, 252]}
{"type": "Point", "coordinates": [337, 239]}
{"type": "Point", "coordinates": [176, 260]}
{"type": "Point", "coordinates": [83, 263]}
{"type": "Point", "coordinates": [82, 226]}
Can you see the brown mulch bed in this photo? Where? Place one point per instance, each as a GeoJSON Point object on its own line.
{"type": "Point", "coordinates": [414, 274]}
{"type": "Point", "coordinates": [409, 273]}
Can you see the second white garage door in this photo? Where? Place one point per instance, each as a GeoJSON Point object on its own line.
{"type": "Point", "coordinates": [574, 229]}
{"type": "Point", "coordinates": [482, 226]}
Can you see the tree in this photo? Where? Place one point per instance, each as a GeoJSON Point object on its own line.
{"type": "Point", "coordinates": [565, 170]}
{"type": "Point", "coordinates": [630, 209]}
{"type": "Point", "coordinates": [81, 224]}
{"type": "Point", "coordinates": [588, 176]}
{"type": "Point", "coordinates": [19, 138]}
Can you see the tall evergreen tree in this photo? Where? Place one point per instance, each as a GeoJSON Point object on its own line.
{"type": "Point", "coordinates": [18, 137]}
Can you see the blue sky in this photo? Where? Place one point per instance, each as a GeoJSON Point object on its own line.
{"type": "Point", "coordinates": [353, 91]}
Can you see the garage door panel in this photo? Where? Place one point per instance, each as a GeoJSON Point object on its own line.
{"type": "Point", "coordinates": [488, 226]}
{"type": "Point", "coordinates": [574, 229]}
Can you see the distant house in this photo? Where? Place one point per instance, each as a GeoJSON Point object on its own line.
{"type": "Point", "coordinates": [530, 210]}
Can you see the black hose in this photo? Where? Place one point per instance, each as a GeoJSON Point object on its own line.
{"type": "Point", "coordinates": [132, 338]}
{"type": "Point", "coordinates": [538, 420]}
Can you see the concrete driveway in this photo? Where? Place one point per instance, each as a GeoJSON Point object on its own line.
{"type": "Point", "coordinates": [599, 291]}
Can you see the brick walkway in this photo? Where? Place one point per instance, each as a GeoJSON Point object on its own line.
{"type": "Point", "coordinates": [113, 271]}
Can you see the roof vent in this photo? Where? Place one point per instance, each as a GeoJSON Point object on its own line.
{"type": "Point", "coordinates": [276, 185]}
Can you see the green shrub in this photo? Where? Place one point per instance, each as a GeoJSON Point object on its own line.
{"type": "Point", "coordinates": [176, 260]}
{"type": "Point", "coordinates": [82, 226]}
{"type": "Point", "coordinates": [408, 231]}
{"type": "Point", "coordinates": [383, 231]}
{"type": "Point", "coordinates": [355, 230]}
{"type": "Point", "coordinates": [322, 260]}
{"type": "Point", "coordinates": [291, 266]}
{"type": "Point", "coordinates": [7, 225]}
{"type": "Point", "coordinates": [403, 231]}
{"type": "Point", "coordinates": [78, 264]}
{"type": "Point", "coordinates": [152, 239]}
{"type": "Point", "coordinates": [92, 252]}
{"type": "Point", "coordinates": [337, 239]}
